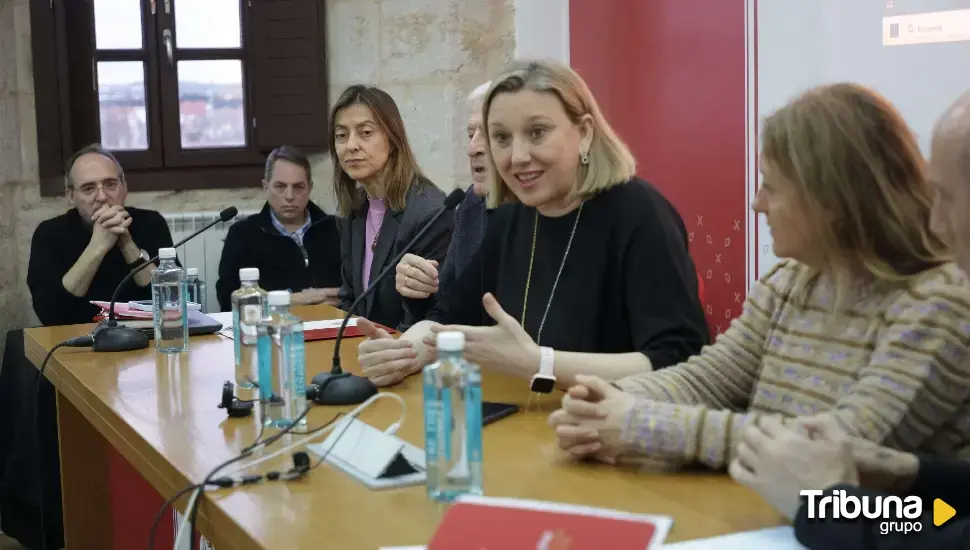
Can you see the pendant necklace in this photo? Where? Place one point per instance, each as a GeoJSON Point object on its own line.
{"type": "Point", "coordinates": [528, 281]}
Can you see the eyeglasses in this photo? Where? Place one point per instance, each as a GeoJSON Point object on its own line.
{"type": "Point", "coordinates": [90, 188]}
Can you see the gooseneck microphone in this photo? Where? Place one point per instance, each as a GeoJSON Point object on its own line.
{"type": "Point", "coordinates": [109, 335]}
{"type": "Point", "coordinates": [341, 388]}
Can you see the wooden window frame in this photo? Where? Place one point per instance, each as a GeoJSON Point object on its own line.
{"type": "Point", "coordinates": [68, 110]}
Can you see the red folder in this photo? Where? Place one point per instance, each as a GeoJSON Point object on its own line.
{"type": "Point", "coordinates": [327, 329]}
{"type": "Point", "coordinates": [507, 524]}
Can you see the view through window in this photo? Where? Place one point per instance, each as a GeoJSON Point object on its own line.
{"type": "Point", "coordinates": [203, 49]}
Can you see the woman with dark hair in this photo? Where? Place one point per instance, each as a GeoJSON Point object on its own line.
{"type": "Point", "coordinates": [383, 200]}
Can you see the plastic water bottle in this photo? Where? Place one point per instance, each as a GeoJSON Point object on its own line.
{"type": "Point", "coordinates": [452, 421]}
{"type": "Point", "coordinates": [249, 306]}
{"type": "Point", "coordinates": [169, 304]}
{"type": "Point", "coordinates": [196, 288]}
{"type": "Point", "coordinates": [282, 371]}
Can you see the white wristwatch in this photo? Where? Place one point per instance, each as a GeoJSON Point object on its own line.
{"type": "Point", "coordinates": [544, 381]}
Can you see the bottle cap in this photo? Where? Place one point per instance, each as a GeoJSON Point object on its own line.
{"type": "Point", "coordinates": [451, 341]}
{"type": "Point", "coordinates": [249, 274]}
{"type": "Point", "coordinates": [279, 298]}
{"type": "Point", "coordinates": [192, 272]}
{"type": "Point", "coordinates": [166, 253]}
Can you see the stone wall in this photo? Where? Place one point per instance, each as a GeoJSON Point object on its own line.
{"type": "Point", "coordinates": [428, 54]}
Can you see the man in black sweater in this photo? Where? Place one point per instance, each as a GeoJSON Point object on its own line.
{"type": "Point", "coordinates": [779, 463]}
{"type": "Point", "coordinates": [293, 243]}
{"type": "Point", "coordinates": [83, 254]}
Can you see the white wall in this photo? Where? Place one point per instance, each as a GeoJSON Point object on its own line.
{"type": "Point", "coordinates": [802, 44]}
{"type": "Point", "coordinates": [542, 29]}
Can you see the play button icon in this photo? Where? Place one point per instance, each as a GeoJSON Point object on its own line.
{"type": "Point", "coordinates": [942, 512]}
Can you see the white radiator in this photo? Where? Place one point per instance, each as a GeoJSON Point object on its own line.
{"type": "Point", "coordinates": [204, 251]}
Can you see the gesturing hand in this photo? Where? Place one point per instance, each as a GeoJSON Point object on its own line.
{"type": "Point", "coordinates": [778, 462]}
{"type": "Point", "coordinates": [591, 421]}
{"type": "Point", "coordinates": [880, 468]}
{"type": "Point", "coordinates": [385, 360]}
{"type": "Point", "coordinates": [504, 347]}
{"type": "Point", "coordinates": [416, 277]}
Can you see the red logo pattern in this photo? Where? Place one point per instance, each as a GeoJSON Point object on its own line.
{"type": "Point", "coordinates": [717, 244]}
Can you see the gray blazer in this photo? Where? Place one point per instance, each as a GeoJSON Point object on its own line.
{"type": "Point", "coordinates": [384, 305]}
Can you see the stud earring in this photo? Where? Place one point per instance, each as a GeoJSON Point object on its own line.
{"type": "Point", "coordinates": [584, 158]}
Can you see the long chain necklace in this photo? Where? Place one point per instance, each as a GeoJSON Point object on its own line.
{"type": "Point", "coordinates": [377, 232]}
{"type": "Point", "coordinates": [528, 280]}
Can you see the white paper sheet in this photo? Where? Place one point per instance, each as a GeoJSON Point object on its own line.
{"type": "Point", "coordinates": [225, 317]}
{"type": "Point", "coordinates": [773, 538]}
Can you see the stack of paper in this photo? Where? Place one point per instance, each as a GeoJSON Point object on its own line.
{"type": "Point", "coordinates": [773, 538]}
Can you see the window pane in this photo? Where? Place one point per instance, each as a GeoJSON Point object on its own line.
{"type": "Point", "coordinates": [211, 104]}
{"type": "Point", "coordinates": [117, 24]}
{"type": "Point", "coordinates": [121, 98]}
{"type": "Point", "coordinates": [207, 24]}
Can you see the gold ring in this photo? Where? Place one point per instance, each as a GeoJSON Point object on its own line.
{"type": "Point", "coordinates": [406, 277]}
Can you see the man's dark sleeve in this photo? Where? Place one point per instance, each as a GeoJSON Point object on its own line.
{"type": "Point", "coordinates": [229, 264]}
{"type": "Point", "coordinates": [864, 534]}
{"type": "Point", "coordinates": [945, 479]}
{"type": "Point", "coordinates": [53, 304]}
{"type": "Point", "coordinates": [433, 246]}
{"type": "Point", "coordinates": [158, 236]}
{"type": "Point", "coordinates": [332, 276]}
{"type": "Point", "coordinates": [161, 235]}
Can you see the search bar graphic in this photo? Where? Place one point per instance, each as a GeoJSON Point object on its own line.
{"type": "Point", "coordinates": [926, 28]}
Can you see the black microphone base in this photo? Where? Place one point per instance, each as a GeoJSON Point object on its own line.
{"type": "Point", "coordinates": [113, 337]}
{"type": "Point", "coordinates": [342, 389]}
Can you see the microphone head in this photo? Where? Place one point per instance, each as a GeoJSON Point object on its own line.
{"type": "Point", "coordinates": [454, 198]}
{"type": "Point", "coordinates": [228, 213]}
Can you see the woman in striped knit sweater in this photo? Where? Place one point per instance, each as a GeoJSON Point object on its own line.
{"type": "Point", "coordinates": [865, 321]}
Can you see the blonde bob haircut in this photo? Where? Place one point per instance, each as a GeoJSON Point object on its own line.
{"type": "Point", "coordinates": [610, 160]}
{"type": "Point", "coordinates": [858, 170]}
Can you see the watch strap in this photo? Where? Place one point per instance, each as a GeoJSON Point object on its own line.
{"type": "Point", "coordinates": [547, 361]}
{"type": "Point", "coordinates": [142, 258]}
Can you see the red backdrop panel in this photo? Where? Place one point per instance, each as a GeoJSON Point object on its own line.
{"type": "Point", "coordinates": [670, 77]}
{"type": "Point", "coordinates": [134, 504]}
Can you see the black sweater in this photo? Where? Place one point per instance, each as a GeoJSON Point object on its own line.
{"type": "Point", "coordinates": [55, 248]}
{"type": "Point", "coordinates": [947, 480]}
{"type": "Point", "coordinates": [628, 284]}
{"type": "Point", "coordinates": [255, 242]}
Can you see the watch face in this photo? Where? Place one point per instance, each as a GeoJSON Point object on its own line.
{"type": "Point", "coordinates": [542, 384]}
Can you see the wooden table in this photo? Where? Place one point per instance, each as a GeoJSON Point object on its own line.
{"type": "Point", "coordinates": [160, 414]}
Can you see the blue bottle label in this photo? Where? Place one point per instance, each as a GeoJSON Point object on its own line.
{"type": "Point", "coordinates": [235, 335]}
{"type": "Point", "coordinates": [473, 412]}
{"type": "Point", "coordinates": [298, 360]}
{"type": "Point", "coordinates": [432, 413]}
{"type": "Point", "coordinates": [446, 424]}
{"type": "Point", "coordinates": [264, 352]}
